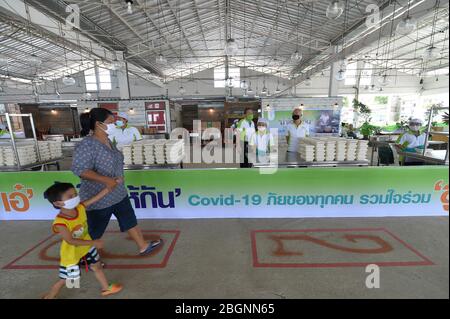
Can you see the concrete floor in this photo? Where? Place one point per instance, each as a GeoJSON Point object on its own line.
{"type": "Point", "coordinates": [213, 259]}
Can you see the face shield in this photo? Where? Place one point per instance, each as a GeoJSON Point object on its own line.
{"type": "Point", "coordinates": [415, 126]}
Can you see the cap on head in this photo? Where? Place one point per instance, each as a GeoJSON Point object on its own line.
{"type": "Point", "coordinates": [262, 121]}
{"type": "Point", "coordinates": [415, 122]}
{"type": "Point", "coordinates": [123, 115]}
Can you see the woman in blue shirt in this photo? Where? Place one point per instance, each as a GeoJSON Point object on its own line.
{"type": "Point", "coordinates": [99, 164]}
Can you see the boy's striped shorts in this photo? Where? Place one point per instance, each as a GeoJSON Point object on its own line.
{"type": "Point", "coordinates": [73, 272]}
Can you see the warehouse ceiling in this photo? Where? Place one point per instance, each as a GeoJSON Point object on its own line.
{"type": "Point", "coordinates": [192, 34]}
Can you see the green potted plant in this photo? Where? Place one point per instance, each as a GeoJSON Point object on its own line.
{"type": "Point", "coordinates": [368, 130]}
{"type": "Point", "coordinates": [364, 111]}
{"type": "Point", "coordinates": [445, 121]}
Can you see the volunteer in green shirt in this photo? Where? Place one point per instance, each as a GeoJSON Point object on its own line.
{"type": "Point", "coordinates": [414, 138]}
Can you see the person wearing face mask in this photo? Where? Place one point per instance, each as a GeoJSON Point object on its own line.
{"type": "Point", "coordinates": [124, 134]}
{"type": "Point", "coordinates": [99, 164]}
{"type": "Point", "coordinates": [246, 129]}
{"type": "Point", "coordinates": [296, 130]}
{"type": "Point", "coordinates": [262, 142]}
{"type": "Point", "coordinates": [77, 247]}
{"type": "Point", "coordinates": [411, 140]}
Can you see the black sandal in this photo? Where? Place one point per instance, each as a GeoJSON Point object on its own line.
{"type": "Point", "coordinates": [151, 247]}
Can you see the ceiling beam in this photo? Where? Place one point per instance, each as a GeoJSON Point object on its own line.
{"type": "Point", "coordinates": [180, 27]}
{"type": "Point", "coordinates": [71, 37]}
{"type": "Point", "coordinates": [369, 37]}
{"type": "Point", "coordinates": [86, 28]}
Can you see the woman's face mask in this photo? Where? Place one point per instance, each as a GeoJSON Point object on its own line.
{"type": "Point", "coordinates": [296, 117]}
{"type": "Point", "coordinates": [109, 128]}
{"type": "Point", "coordinates": [72, 203]}
{"type": "Point", "coordinates": [414, 128]}
{"type": "Point", "coordinates": [120, 123]}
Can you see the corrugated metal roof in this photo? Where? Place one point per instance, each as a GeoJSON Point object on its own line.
{"type": "Point", "coordinates": [191, 34]}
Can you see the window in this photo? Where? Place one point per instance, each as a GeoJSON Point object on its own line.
{"type": "Point", "coordinates": [351, 74]}
{"type": "Point", "coordinates": [219, 77]}
{"type": "Point", "coordinates": [93, 83]}
{"type": "Point", "coordinates": [104, 77]}
{"type": "Point", "coordinates": [91, 80]}
{"type": "Point", "coordinates": [366, 75]}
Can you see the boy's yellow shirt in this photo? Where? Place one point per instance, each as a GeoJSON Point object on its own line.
{"type": "Point", "coordinates": [77, 226]}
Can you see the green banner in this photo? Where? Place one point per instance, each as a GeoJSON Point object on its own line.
{"type": "Point", "coordinates": [245, 193]}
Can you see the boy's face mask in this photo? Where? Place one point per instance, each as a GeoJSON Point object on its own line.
{"type": "Point", "coordinates": [261, 128]}
{"type": "Point", "coordinates": [120, 123]}
{"type": "Point", "coordinates": [414, 128]}
{"type": "Point", "coordinates": [72, 203]}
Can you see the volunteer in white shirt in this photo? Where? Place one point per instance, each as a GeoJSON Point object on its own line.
{"type": "Point", "coordinates": [411, 140]}
{"type": "Point", "coordinates": [124, 134]}
{"type": "Point", "coordinates": [262, 142]}
{"type": "Point", "coordinates": [246, 128]}
{"type": "Point", "coordinates": [296, 130]}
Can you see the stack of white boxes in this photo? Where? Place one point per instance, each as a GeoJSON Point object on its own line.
{"type": "Point", "coordinates": [50, 150]}
{"type": "Point", "coordinates": [55, 149]}
{"type": "Point", "coordinates": [319, 147]}
{"type": "Point", "coordinates": [138, 154]}
{"type": "Point", "coordinates": [341, 149]}
{"type": "Point", "coordinates": [174, 151]}
{"type": "Point", "coordinates": [361, 151]}
{"type": "Point", "coordinates": [150, 152]}
{"type": "Point", "coordinates": [27, 155]}
{"type": "Point", "coordinates": [320, 151]}
{"type": "Point", "coordinates": [127, 152]}
{"type": "Point", "coordinates": [44, 150]}
{"type": "Point", "coordinates": [160, 152]}
{"type": "Point", "coordinates": [330, 148]}
{"type": "Point", "coordinates": [307, 152]}
{"type": "Point", "coordinates": [351, 150]}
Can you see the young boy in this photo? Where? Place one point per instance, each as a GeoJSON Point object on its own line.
{"type": "Point", "coordinates": [262, 142]}
{"type": "Point", "coordinates": [77, 246]}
